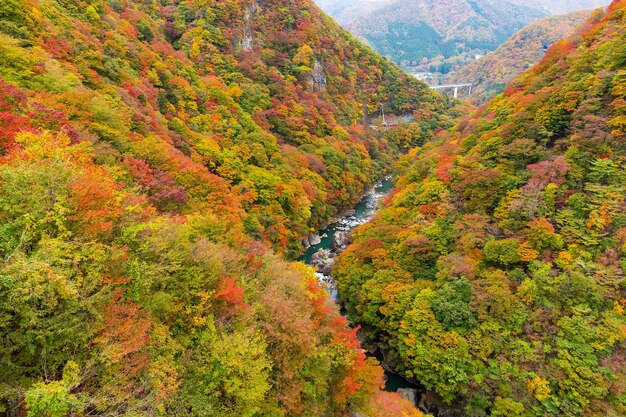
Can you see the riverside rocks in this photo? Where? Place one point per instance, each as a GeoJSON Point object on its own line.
{"type": "Point", "coordinates": [341, 240]}
{"type": "Point", "coordinates": [324, 259]}
{"type": "Point", "coordinates": [341, 229]}
{"type": "Point", "coordinates": [315, 239]}
{"type": "Point", "coordinates": [409, 394]}
{"type": "Point", "coordinates": [343, 215]}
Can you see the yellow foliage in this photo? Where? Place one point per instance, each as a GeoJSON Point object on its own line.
{"type": "Point", "coordinates": [50, 146]}
{"type": "Point", "coordinates": [526, 291]}
{"type": "Point", "coordinates": [304, 56]}
{"type": "Point", "coordinates": [235, 91]}
{"type": "Point", "coordinates": [564, 259]}
{"type": "Point", "coordinates": [503, 211]}
{"type": "Point", "coordinates": [198, 314]}
{"type": "Point", "coordinates": [194, 52]}
{"type": "Point", "coordinates": [526, 252]}
{"type": "Point", "coordinates": [598, 219]}
{"type": "Point", "coordinates": [539, 387]}
{"type": "Point", "coordinates": [450, 340]}
{"type": "Point", "coordinates": [619, 84]}
{"type": "Point", "coordinates": [618, 122]}
{"type": "Point", "coordinates": [92, 14]}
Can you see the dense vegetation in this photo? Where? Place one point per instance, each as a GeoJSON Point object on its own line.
{"type": "Point", "coordinates": [109, 308]}
{"type": "Point", "coordinates": [495, 275]}
{"type": "Point", "coordinates": [520, 52]}
{"type": "Point", "coordinates": [151, 154]}
{"type": "Point", "coordinates": [260, 102]}
{"type": "Point", "coordinates": [410, 31]}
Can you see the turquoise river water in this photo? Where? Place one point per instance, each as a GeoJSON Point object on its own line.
{"type": "Point", "coordinates": [364, 211]}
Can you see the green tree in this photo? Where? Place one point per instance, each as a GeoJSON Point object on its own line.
{"type": "Point", "coordinates": [54, 399]}
{"type": "Point", "coordinates": [502, 252]}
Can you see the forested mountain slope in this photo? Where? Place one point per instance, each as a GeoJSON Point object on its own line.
{"type": "Point", "coordinates": [495, 275]}
{"type": "Point", "coordinates": [252, 98]}
{"type": "Point", "coordinates": [409, 31]}
{"type": "Point", "coordinates": [523, 50]}
{"type": "Point", "coordinates": [151, 154]}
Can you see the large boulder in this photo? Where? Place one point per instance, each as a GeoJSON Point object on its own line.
{"type": "Point", "coordinates": [342, 216]}
{"type": "Point", "coordinates": [315, 239]}
{"type": "Point", "coordinates": [409, 394]}
{"type": "Point", "coordinates": [341, 240]}
{"type": "Point", "coordinates": [324, 260]}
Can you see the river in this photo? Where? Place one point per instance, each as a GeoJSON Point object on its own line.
{"type": "Point", "coordinates": [363, 212]}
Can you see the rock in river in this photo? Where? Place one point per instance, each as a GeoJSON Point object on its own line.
{"type": "Point", "coordinates": [323, 259]}
{"type": "Point", "coordinates": [341, 240]}
{"type": "Point", "coordinates": [315, 239]}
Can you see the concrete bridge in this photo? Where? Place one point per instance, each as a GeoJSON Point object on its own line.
{"type": "Point", "coordinates": [455, 87]}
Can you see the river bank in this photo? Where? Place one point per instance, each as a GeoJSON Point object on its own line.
{"type": "Point", "coordinates": [330, 242]}
{"type": "Point", "coordinates": [325, 246]}
{"type": "Point", "coordinates": [321, 252]}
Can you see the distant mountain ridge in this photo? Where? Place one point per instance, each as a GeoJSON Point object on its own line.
{"type": "Point", "coordinates": [345, 11]}
{"type": "Point", "coordinates": [408, 31]}
{"type": "Point", "coordinates": [524, 49]}
{"type": "Point", "coordinates": [433, 38]}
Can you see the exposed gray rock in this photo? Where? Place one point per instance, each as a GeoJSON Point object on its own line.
{"type": "Point", "coordinates": [409, 394]}
{"type": "Point", "coordinates": [321, 256]}
{"type": "Point", "coordinates": [342, 215]}
{"type": "Point", "coordinates": [315, 239]}
{"type": "Point", "coordinates": [247, 42]}
{"type": "Point", "coordinates": [341, 240]}
{"type": "Point", "coordinates": [317, 78]}
{"type": "Point", "coordinates": [324, 260]}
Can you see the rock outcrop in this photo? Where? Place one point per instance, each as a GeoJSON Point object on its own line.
{"type": "Point", "coordinates": [341, 240]}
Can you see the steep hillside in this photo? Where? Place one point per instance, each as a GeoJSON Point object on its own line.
{"type": "Point", "coordinates": [523, 50]}
{"type": "Point", "coordinates": [262, 100]}
{"type": "Point", "coordinates": [558, 7]}
{"type": "Point", "coordinates": [496, 273]}
{"type": "Point", "coordinates": [409, 31]}
{"type": "Point", "coordinates": [151, 155]}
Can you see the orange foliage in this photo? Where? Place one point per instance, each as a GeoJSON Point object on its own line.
{"type": "Point", "coordinates": [122, 337]}
{"type": "Point", "coordinates": [387, 404]}
{"type": "Point", "coordinates": [231, 293]}
{"type": "Point", "coordinates": [526, 252]}
{"type": "Point", "coordinates": [95, 200]}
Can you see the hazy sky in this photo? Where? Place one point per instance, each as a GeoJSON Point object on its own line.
{"type": "Point", "coordinates": [554, 6]}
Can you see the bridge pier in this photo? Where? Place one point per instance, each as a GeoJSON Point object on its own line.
{"type": "Point", "coordinates": [455, 88]}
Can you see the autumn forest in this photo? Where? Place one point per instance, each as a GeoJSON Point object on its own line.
{"type": "Point", "coordinates": [164, 163]}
